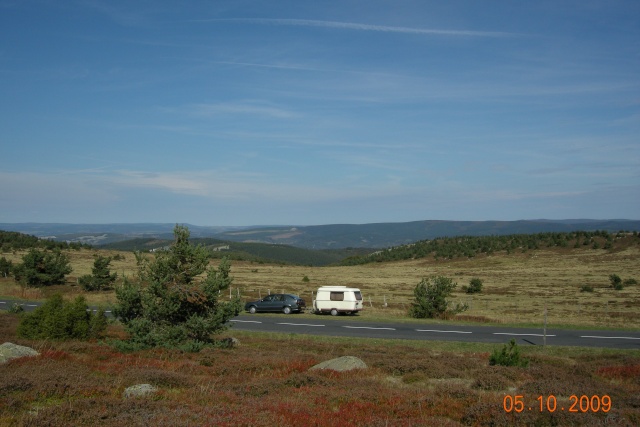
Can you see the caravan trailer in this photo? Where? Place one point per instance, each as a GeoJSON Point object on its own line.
{"type": "Point", "coordinates": [337, 299]}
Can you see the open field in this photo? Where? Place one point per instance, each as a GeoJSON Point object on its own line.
{"type": "Point", "coordinates": [517, 287]}
{"type": "Point", "coordinates": [265, 381]}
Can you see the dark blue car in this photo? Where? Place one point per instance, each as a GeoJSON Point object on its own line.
{"type": "Point", "coordinates": [285, 303]}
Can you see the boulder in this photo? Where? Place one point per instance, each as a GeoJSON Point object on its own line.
{"type": "Point", "coordinates": [341, 364]}
{"type": "Point", "coordinates": [139, 390]}
{"type": "Point", "coordinates": [10, 351]}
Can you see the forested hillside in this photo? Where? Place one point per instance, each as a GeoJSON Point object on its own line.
{"type": "Point", "coordinates": [12, 241]}
{"type": "Point", "coordinates": [471, 246]}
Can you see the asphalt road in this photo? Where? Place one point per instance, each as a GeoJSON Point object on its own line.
{"type": "Point", "coordinates": [346, 326]}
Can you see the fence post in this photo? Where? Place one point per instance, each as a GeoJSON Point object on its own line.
{"type": "Point", "coordinates": [544, 339]}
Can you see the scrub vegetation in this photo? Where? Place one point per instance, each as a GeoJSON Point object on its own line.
{"type": "Point", "coordinates": [265, 380]}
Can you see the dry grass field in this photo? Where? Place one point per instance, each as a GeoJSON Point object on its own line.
{"type": "Point", "coordinates": [517, 287]}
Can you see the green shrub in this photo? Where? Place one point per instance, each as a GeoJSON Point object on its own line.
{"type": "Point", "coordinates": [100, 277]}
{"type": "Point", "coordinates": [305, 278]}
{"type": "Point", "coordinates": [42, 268]}
{"type": "Point", "coordinates": [5, 267]}
{"type": "Point", "coordinates": [586, 288]}
{"type": "Point", "coordinates": [172, 305]}
{"type": "Point", "coordinates": [16, 308]}
{"type": "Point", "coordinates": [475, 286]}
{"type": "Point", "coordinates": [431, 299]}
{"type": "Point", "coordinates": [616, 282]}
{"type": "Point", "coordinates": [629, 282]}
{"type": "Point", "coordinates": [509, 356]}
{"type": "Point", "coordinates": [60, 320]}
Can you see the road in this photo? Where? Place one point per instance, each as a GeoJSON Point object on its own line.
{"type": "Point", "coordinates": [349, 327]}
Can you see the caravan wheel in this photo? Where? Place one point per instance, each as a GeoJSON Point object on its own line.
{"type": "Point", "coordinates": [334, 312]}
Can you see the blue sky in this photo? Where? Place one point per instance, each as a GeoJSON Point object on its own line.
{"type": "Point", "coordinates": [294, 112]}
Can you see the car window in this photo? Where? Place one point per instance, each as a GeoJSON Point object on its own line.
{"type": "Point", "coordinates": [268, 298]}
{"type": "Point", "coordinates": [358, 295]}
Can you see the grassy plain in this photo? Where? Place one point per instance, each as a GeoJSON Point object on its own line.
{"type": "Point", "coordinates": [265, 380]}
{"type": "Point", "coordinates": [517, 286]}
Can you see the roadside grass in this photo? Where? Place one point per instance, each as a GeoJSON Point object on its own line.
{"type": "Point", "coordinates": [265, 381]}
{"type": "Point", "coordinates": [518, 287]}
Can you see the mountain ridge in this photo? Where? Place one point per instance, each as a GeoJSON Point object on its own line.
{"type": "Point", "coordinates": [329, 236]}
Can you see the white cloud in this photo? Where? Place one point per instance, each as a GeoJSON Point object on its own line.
{"type": "Point", "coordinates": [367, 27]}
{"type": "Point", "coordinates": [253, 108]}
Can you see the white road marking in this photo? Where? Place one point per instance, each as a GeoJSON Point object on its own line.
{"type": "Point", "coordinates": [367, 327]}
{"type": "Point", "coordinates": [523, 335]}
{"type": "Point", "coordinates": [246, 321]}
{"type": "Point", "coordinates": [435, 330]}
{"type": "Point", "coordinates": [297, 324]}
{"type": "Point", "coordinates": [618, 338]}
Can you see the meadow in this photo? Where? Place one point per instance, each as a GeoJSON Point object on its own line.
{"type": "Point", "coordinates": [517, 287]}
{"type": "Point", "coordinates": [265, 380]}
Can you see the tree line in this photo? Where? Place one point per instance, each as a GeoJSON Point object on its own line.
{"type": "Point", "coordinates": [471, 246]}
{"type": "Point", "coordinates": [14, 241]}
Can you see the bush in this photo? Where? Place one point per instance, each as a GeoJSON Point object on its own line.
{"type": "Point", "coordinates": [586, 288]}
{"type": "Point", "coordinates": [629, 282]}
{"type": "Point", "coordinates": [101, 277]}
{"type": "Point", "coordinates": [475, 286]}
{"type": "Point", "coordinates": [60, 320]}
{"type": "Point", "coordinates": [41, 268]}
{"type": "Point", "coordinates": [176, 308]}
{"type": "Point", "coordinates": [509, 356]}
{"type": "Point", "coordinates": [431, 299]}
{"type": "Point", "coordinates": [616, 282]}
{"type": "Point", "coordinates": [5, 267]}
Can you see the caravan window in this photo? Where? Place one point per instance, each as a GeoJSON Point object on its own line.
{"type": "Point", "coordinates": [358, 295]}
{"type": "Point", "coordinates": [337, 296]}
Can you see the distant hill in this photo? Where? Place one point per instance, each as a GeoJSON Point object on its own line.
{"type": "Point", "coordinates": [385, 235]}
{"type": "Point", "coordinates": [335, 236]}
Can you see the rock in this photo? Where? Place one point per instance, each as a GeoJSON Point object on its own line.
{"type": "Point", "coordinates": [10, 351]}
{"type": "Point", "coordinates": [341, 364]}
{"type": "Point", "coordinates": [139, 390]}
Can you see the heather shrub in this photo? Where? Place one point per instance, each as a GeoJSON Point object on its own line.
{"type": "Point", "coordinates": [60, 320]}
{"type": "Point", "coordinates": [508, 356]}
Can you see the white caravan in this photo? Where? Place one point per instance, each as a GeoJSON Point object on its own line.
{"type": "Point", "coordinates": [337, 299]}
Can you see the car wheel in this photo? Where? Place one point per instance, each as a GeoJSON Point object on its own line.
{"type": "Point", "coordinates": [253, 309]}
{"type": "Point", "coordinates": [334, 312]}
{"type": "Point", "coordinates": [286, 310]}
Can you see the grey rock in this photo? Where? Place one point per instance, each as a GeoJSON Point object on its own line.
{"type": "Point", "coordinates": [341, 364]}
{"type": "Point", "coordinates": [139, 390]}
{"type": "Point", "coordinates": [10, 351]}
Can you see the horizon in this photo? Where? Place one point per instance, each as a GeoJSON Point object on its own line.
{"type": "Point", "coordinates": [570, 220]}
{"type": "Point", "coordinates": [305, 113]}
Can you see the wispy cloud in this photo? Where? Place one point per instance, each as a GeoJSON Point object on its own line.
{"type": "Point", "coordinates": [365, 27]}
{"type": "Point", "coordinates": [248, 107]}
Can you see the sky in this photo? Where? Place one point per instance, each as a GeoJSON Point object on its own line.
{"type": "Point", "coordinates": [243, 112]}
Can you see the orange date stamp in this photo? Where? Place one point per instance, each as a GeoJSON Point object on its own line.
{"type": "Point", "coordinates": [584, 403]}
